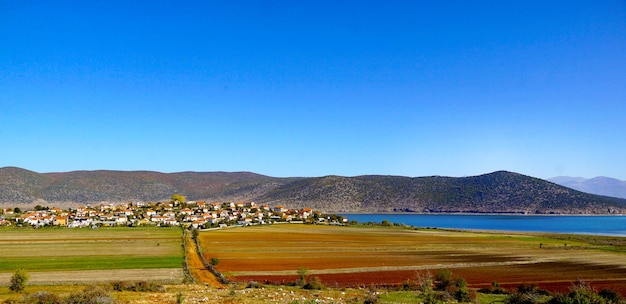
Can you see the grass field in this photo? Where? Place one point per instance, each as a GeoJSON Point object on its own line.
{"type": "Point", "coordinates": [79, 255]}
{"type": "Point", "coordinates": [353, 256]}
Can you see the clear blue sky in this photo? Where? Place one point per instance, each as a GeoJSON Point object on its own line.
{"type": "Point", "coordinates": [295, 88]}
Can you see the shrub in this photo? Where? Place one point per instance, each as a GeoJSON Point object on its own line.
{"type": "Point", "coordinates": [581, 293]}
{"type": "Point", "coordinates": [527, 294]}
{"type": "Point", "coordinates": [18, 280]}
{"type": "Point", "coordinates": [610, 296]}
{"type": "Point", "coordinates": [371, 298]}
{"type": "Point", "coordinates": [443, 279]}
{"type": "Point", "coordinates": [90, 295]}
{"type": "Point", "coordinates": [42, 297]}
{"type": "Point", "coordinates": [520, 298]}
{"type": "Point", "coordinates": [314, 283]}
{"type": "Point", "coordinates": [253, 284]}
{"type": "Point", "coordinates": [140, 286]}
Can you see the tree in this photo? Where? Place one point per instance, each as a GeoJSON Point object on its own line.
{"type": "Point", "coordinates": [214, 261]}
{"type": "Point", "coordinates": [303, 273]}
{"type": "Point", "coordinates": [179, 198]}
{"type": "Point", "coordinates": [17, 210]}
{"type": "Point", "coordinates": [461, 294]}
{"type": "Point", "coordinates": [18, 280]}
{"type": "Point", "coordinates": [443, 279]}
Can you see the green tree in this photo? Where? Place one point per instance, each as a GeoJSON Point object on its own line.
{"type": "Point", "coordinates": [461, 294]}
{"type": "Point", "coordinates": [303, 273]}
{"type": "Point", "coordinates": [179, 198]}
{"type": "Point", "coordinates": [17, 210]}
{"type": "Point", "coordinates": [214, 261]}
{"type": "Point", "coordinates": [18, 280]}
{"type": "Point", "coordinates": [443, 279]}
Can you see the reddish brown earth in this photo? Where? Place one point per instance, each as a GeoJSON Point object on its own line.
{"type": "Point", "coordinates": [347, 256]}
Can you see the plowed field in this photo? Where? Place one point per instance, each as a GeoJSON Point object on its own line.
{"type": "Point", "coordinates": [353, 256]}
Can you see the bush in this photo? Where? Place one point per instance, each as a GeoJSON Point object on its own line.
{"type": "Point", "coordinates": [443, 279]}
{"type": "Point", "coordinates": [371, 298]}
{"type": "Point", "coordinates": [527, 294]}
{"type": "Point", "coordinates": [18, 280]}
{"type": "Point", "coordinates": [520, 298]}
{"type": "Point", "coordinates": [253, 284]}
{"type": "Point", "coordinates": [42, 297]}
{"type": "Point", "coordinates": [90, 295]}
{"type": "Point", "coordinates": [314, 283]}
{"type": "Point", "coordinates": [140, 286]}
{"type": "Point", "coordinates": [610, 296]}
{"type": "Point", "coordinates": [581, 293]}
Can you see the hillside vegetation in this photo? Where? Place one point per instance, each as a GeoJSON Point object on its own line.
{"type": "Point", "coordinates": [497, 192]}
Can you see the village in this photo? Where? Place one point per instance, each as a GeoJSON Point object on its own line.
{"type": "Point", "coordinates": [177, 212]}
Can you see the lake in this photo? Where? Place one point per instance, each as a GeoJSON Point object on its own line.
{"type": "Point", "coordinates": [598, 225]}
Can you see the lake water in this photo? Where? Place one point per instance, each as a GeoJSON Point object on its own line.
{"type": "Point", "coordinates": [599, 225]}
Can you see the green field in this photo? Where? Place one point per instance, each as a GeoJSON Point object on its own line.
{"type": "Point", "coordinates": [67, 252]}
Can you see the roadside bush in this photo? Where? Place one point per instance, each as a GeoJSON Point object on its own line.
{"type": "Point", "coordinates": [214, 261]}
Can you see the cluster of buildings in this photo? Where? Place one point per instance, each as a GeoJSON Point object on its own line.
{"type": "Point", "coordinates": [195, 214]}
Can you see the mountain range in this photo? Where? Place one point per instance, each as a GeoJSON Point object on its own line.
{"type": "Point", "coordinates": [600, 185]}
{"type": "Point", "coordinates": [497, 192]}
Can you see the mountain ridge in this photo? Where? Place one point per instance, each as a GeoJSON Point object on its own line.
{"type": "Point", "coordinates": [496, 192]}
{"type": "Point", "coordinates": [600, 185]}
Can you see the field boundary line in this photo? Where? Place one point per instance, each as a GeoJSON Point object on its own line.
{"type": "Point", "coordinates": [165, 275]}
{"type": "Point", "coordinates": [383, 268]}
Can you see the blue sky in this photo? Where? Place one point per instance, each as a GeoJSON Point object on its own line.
{"type": "Point", "coordinates": [295, 88]}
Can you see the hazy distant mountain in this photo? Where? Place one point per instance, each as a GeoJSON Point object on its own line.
{"type": "Point", "coordinates": [598, 185]}
{"type": "Point", "coordinates": [498, 192]}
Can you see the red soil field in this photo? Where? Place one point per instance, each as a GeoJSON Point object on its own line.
{"type": "Point", "coordinates": [348, 256]}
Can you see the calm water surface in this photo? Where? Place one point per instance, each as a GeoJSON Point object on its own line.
{"type": "Point", "coordinates": [599, 225]}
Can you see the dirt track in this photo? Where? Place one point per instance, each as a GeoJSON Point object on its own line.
{"type": "Point", "coordinates": [197, 269]}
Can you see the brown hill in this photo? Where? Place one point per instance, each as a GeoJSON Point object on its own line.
{"type": "Point", "coordinates": [498, 192]}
